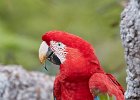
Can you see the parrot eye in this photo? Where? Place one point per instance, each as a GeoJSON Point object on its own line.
{"type": "Point", "coordinates": [59, 44]}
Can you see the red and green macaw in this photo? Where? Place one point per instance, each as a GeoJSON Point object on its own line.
{"type": "Point", "coordinates": [81, 76]}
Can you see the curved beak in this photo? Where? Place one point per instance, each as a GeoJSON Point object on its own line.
{"type": "Point", "coordinates": [45, 53]}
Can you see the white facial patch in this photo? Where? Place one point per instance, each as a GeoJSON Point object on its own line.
{"type": "Point", "coordinates": [59, 49]}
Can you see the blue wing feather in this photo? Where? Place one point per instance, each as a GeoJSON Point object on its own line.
{"type": "Point", "coordinates": [96, 98]}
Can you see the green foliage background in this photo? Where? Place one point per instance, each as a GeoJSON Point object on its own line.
{"type": "Point", "coordinates": [22, 23]}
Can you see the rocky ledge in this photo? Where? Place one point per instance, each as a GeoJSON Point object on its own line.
{"type": "Point", "coordinates": [18, 84]}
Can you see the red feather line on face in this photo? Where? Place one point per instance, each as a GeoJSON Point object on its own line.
{"type": "Point", "coordinates": [73, 42]}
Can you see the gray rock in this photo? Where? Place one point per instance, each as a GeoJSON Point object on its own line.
{"type": "Point", "coordinates": [19, 84]}
{"type": "Point", "coordinates": [130, 35]}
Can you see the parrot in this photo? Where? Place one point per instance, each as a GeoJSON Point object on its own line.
{"type": "Point", "coordinates": [80, 76]}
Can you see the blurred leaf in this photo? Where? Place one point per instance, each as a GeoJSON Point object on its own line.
{"type": "Point", "coordinates": [22, 23]}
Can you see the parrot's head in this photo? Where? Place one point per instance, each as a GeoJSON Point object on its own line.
{"type": "Point", "coordinates": [55, 52]}
{"type": "Point", "coordinates": [71, 52]}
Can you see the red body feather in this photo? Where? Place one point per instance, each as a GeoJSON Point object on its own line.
{"type": "Point", "coordinates": [81, 72]}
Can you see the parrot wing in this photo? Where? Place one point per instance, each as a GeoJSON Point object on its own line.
{"type": "Point", "coordinates": [113, 79]}
{"type": "Point", "coordinates": [101, 83]}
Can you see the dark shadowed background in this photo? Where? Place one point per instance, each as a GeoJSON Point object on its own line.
{"type": "Point", "coordinates": [23, 22]}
